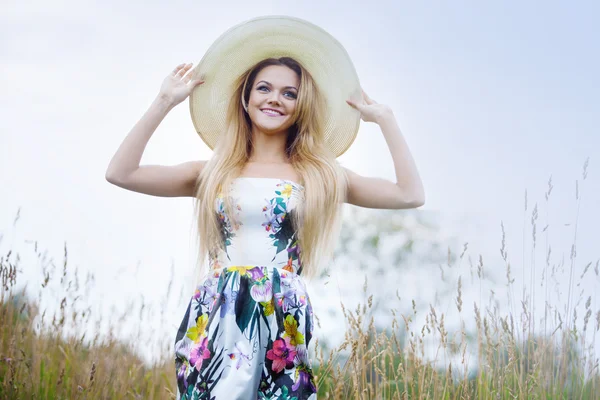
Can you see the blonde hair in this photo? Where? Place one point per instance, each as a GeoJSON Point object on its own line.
{"type": "Point", "coordinates": [317, 219]}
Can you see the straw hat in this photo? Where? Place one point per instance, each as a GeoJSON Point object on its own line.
{"type": "Point", "coordinates": [244, 45]}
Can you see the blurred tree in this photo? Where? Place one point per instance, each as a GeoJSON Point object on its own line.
{"type": "Point", "coordinates": [397, 254]}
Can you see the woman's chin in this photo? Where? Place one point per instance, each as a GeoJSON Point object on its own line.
{"type": "Point", "coordinates": [272, 129]}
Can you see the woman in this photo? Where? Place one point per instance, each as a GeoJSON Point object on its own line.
{"type": "Point", "coordinates": [268, 205]}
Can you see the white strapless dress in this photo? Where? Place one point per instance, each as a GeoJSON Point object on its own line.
{"type": "Point", "coordinates": [248, 325]}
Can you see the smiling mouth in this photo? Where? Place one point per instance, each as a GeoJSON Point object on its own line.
{"type": "Point", "coordinates": [271, 113]}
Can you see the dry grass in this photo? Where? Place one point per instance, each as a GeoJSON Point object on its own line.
{"type": "Point", "coordinates": [40, 360]}
{"type": "Point", "coordinates": [505, 356]}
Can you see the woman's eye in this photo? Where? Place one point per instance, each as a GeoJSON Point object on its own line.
{"type": "Point", "coordinates": [288, 94]}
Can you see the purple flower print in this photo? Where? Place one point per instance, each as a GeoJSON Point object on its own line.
{"type": "Point", "coordinates": [199, 353]}
{"type": "Point", "coordinates": [282, 354]}
{"type": "Point", "coordinates": [272, 223]}
{"type": "Point", "coordinates": [270, 207]}
{"type": "Point", "coordinates": [297, 285]}
{"type": "Point", "coordinates": [304, 379]}
{"type": "Point", "coordinates": [228, 306]}
{"type": "Point", "coordinates": [286, 299]}
{"type": "Point", "coordinates": [262, 291]}
{"type": "Point", "coordinates": [302, 300]}
{"type": "Point", "coordinates": [301, 354]}
{"type": "Point", "coordinates": [256, 273]}
{"type": "Point", "coordinates": [293, 248]}
{"type": "Point", "coordinates": [239, 356]}
{"type": "Point", "coordinates": [207, 294]}
{"type": "Point", "coordinates": [181, 372]}
{"type": "Point", "coordinates": [274, 215]}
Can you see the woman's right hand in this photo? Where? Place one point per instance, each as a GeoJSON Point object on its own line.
{"type": "Point", "coordinates": [178, 85]}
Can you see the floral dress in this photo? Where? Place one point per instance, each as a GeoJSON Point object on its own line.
{"type": "Point", "coordinates": [247, 327]}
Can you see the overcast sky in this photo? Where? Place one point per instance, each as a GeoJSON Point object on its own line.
{"type": "Point", "coordinates": [492, 97]}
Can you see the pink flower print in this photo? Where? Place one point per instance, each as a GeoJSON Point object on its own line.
{"type": "Point", "coordinates": [282, 354]}
{"type": "Point", "coordinates": [302, 300]}
{"type": "Point", "coordinates": [199, 353]}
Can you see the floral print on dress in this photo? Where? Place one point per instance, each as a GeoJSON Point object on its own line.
{"type": "Point", "coordinates": [228, 225]}
{"type": "Point", "coordinates": [279, 223]}
{"type": "Point", "coordinates": [247, 327]}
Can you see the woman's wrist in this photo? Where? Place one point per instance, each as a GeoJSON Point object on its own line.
{"type": "Point", "coordinates": [163, 102]}
{"type": "Point", "coordinates": [385, 116]}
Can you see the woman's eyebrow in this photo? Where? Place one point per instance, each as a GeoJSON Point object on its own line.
{"type": "Point", "coordinates": [287, 87]}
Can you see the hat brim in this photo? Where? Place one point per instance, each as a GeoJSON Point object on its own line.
{"type": "Point", "coordinates": [250, 42]}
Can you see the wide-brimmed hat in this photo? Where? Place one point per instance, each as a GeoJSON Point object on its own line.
{"type": "Point", "coordinates": [250, 42]}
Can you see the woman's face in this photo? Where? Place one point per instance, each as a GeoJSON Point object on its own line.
{"type": "Point", "coordinates": [273, 98]}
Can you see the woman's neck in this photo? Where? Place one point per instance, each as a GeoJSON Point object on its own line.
{"type": "Point", "coordinates": [268, 149]}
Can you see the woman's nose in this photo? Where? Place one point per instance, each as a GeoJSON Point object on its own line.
{"type": "Point", "coordinates": [274, 98]}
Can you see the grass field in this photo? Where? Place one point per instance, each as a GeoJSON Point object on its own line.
{"type": "Point", "coordinates": [42, 358]}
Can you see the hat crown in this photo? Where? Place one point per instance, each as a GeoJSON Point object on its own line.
{"type": "Point", "coordinates": [250, 42]}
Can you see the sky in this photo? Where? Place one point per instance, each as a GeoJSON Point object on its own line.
{"type": "Point", "coordinates": [493, 99]}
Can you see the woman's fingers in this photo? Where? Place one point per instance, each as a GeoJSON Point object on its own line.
{"type": "Point", "coordinates": [194, 77]}
{"type": "Point", "coordinates": [353, 104]}
{"type": "Point", "coordinates": [200, 78]}
{"type": "Point", "coordinates": [368, 100]}
{"type": "Point", "coordinates": [177, 68]}
{"type": "Point", "coordinates": [182, 71]}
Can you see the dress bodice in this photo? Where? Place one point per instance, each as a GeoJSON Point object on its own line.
{"type": "Point", "coordinates": [262, 232]}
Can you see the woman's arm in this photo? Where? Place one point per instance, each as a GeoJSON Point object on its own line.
{"type": "Point", "coordinates": [408, 191]}
{"type": "Point", "coordinates": [124, 169]}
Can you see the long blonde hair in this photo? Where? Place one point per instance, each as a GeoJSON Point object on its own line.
{"type": "Point", "coordinates": [317, 219]}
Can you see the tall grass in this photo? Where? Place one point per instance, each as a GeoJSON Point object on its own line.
{"type": "Point", "coordinates": [507, 354]}
{"type": "Point", "coordinates": [47, 357]}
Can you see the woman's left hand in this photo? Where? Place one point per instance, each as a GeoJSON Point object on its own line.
{"type": "Point", "coordinates": [370, 110]}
